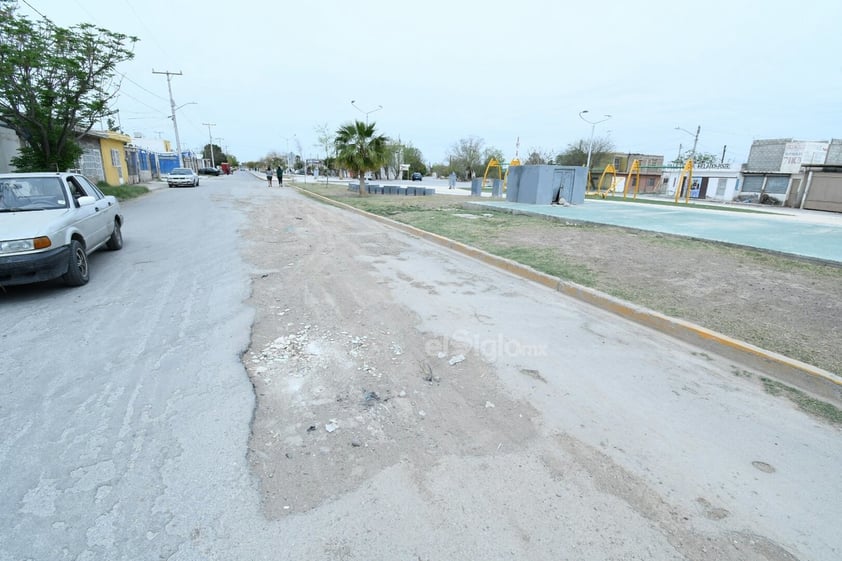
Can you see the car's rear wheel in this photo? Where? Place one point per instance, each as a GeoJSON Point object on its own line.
{"type": "Point", "coordinates": [77, 269]}
{"type": "Point", "coordinates": [115, 242]}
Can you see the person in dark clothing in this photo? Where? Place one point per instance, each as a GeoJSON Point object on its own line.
{"type": "Point", "coordinates": [280, 175]}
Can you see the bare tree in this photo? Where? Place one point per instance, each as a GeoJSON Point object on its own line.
{"type": "Point", "coordinates": [467, 155]}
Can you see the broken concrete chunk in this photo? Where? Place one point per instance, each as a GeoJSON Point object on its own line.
{"type": "Point", "coordinates": [456, 359]}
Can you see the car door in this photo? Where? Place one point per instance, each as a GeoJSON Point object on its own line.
{"type": "Point", "coordinates": [94, 220]}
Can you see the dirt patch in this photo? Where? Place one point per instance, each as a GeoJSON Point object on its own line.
{"type": "Point", "coordinates": [341, 395]}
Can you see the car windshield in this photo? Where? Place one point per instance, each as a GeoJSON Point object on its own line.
{"type": "Point", "coordinates": [181, 171]}
{"type": "Point", "coordinates": [32, 193]}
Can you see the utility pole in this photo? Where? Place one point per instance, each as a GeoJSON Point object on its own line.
{"type": "Point", "coordinates": [210, 142]}
{"type": "Point", "coordinates": [172, 106]}
{"type": "Point", "coordinates": [695, 142]}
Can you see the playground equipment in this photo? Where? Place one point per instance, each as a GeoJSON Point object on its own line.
{"type": "Point", "coordinates": [609, 170]}
{"type": "Point", "coordinates": [686, 172]}
{"type": "Point", "coordinates": [500, 166]}
{"type": "Point", "coordinates": [634, 173]}
{"type": "Point", "coordinates": [493, 163]}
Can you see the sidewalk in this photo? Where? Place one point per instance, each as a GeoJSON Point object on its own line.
{"type": "Point", "coordinates": [810, 234]}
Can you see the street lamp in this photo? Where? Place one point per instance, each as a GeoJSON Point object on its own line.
{"type": "Point", "coordinates": [593, 125]}
{"type": "Point", "coordinates": [695, 139]}
{"type": "Point", "coordinates": [366, 113]}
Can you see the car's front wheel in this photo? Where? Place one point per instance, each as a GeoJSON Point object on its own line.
{"type": "Point", "coordinates": [77, 269]}
{"type": "Point", "coordinates": [115, 242]}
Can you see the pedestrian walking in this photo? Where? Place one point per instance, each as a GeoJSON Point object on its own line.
{"type": "Point", "coordinates": [280, 175]}
{"type": "Point", "coordinates": [451, 180]}
{"type": "Point", "coordinates": [269, 176]}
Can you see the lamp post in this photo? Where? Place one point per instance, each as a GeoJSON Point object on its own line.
{"type": "Point", "coordinates": [695, 139]}
{"type": "Point", "coordinates": [366, 113]}
{"type": "Point", "coordinates": [593, 125]}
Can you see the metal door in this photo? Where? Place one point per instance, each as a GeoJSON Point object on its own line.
{"type": "Point", "coordinates": [563, 184]}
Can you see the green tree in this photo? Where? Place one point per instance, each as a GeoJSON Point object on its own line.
{"type": "Point", "coordinates": [577, 153]}
{"type": "Point", "coordinates": [360, 149]}
{"type": "Point", "coordinates": [539, 156]}
{"type": "Point", "coordinates": [55, 83]}
{"type": "Point", "coordinates": [415, 159]}
{"type": "Point", "coordinates": [218, 154]}
{"type": "Point", "coordinates": [700, 159]}
{"type": "Point", "coordinates": [398, 153]}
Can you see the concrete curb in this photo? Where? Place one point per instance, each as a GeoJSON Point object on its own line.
{"type": "Point", "coordinates": [801, 375]}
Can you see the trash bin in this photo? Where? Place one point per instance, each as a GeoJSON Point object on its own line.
{"type": "Point", "coordinates": [476, 187]}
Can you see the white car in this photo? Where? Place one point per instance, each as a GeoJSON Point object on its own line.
{"type": "Point", "coordinates": [50, 223]}
{"type": "Point", "coordinates": [182, 177]}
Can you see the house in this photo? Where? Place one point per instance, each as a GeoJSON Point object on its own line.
{"type": "Point", "coordinates": [104, 156]}
{"type": "Point", "coordinates": [651, 167]}
{"type": "Point", "coordinates": [778, 169]}
{"type": "Point", "coordinates": [718, 182]}
{"type": "Point", "coordinates": [9, 146]}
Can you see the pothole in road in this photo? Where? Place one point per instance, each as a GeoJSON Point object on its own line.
{"type": "Point", "coordinates": [763, 466]}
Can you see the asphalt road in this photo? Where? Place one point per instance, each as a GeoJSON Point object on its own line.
{"type": "Point", "coordinates": [125, 408]}
{"type": "Point", "coordinates": [125, 416]}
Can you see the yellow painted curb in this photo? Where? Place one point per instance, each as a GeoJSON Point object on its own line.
{"type": "Point", "coordinates": [801, 375]}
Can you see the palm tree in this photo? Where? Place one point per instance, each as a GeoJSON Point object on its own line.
{"type": "Point", "coordinates": [360, 150]}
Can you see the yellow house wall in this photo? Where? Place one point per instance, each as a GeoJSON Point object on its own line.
{"type": "Point", "coordinates": [114, 175]}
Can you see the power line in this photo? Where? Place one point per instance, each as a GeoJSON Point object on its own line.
{"type": "Point", "coordinates": [143, 103]}
{"type": "Point", "coordinates": [34, 9]}
{"type": "Point", "coordinates": [125, 77]}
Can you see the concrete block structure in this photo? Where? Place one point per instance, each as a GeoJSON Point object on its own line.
{"type": "Point", "coordinates": [546, 184]}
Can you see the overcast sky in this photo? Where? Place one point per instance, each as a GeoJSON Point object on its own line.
{"type": "Point", "coordinates": [267, 72]}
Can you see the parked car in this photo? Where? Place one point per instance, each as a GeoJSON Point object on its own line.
{"type": "Point", "coordinates": [209, 171]}
{"type": "Point", "coordinates": [416, 176]}
{"type": "Point", "coordinates": [182, 177]}
{"type": "Point", "coordinates": [50, 223]}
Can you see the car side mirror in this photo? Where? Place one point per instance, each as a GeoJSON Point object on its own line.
{"type": "Point", "coordinates": [85, 201]}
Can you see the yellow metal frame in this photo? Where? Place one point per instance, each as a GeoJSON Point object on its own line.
{"type": "Point", "coordinates": [634, 171]}
{"type": "Point", "coordinates": [492, 163]}
{"type": "Point", "coordinates": [687, 172]}
{"type": "Point", "coordinates": [609, 169]}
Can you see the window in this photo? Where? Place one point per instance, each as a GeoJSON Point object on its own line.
{"type": "Point", "coordinates": [777, 184]}
{"type": "Point", "coordinates": [75, 188]}
{"type": "Point", "coordinates": [115, 158]}
{"type": "Point", "coordinates": [752, 183]}
{"type": "Point", "coordinates": [90, 188]}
